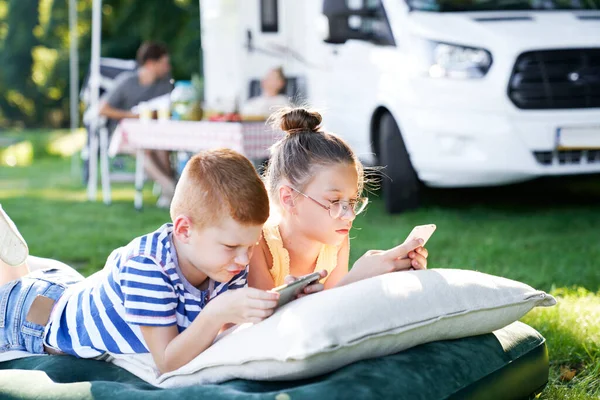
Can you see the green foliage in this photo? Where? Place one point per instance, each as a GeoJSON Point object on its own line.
{"type": "Point", "coordinates": [18, 90]}
{"type": "Point", "coordinates": [34, 49]}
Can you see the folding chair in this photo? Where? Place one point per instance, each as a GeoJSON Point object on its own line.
{"type": "Point", "coordinates": [98, 141]}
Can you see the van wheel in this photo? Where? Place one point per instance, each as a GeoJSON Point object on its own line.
{"type": "Point", "coordinates": [400, 183]}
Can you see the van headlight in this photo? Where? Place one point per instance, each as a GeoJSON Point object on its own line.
{"type": "Point", "coordinates": [445, 60]}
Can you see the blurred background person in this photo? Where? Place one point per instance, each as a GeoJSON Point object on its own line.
{"type": "Point", "coordinates": [152, 79]}
{"type": "Point", "coordinates": [271, 96]}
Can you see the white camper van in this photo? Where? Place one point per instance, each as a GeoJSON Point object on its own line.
{"type": "Point", "coordinates": [450, 93]}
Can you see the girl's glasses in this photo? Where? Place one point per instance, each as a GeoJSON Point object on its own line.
{"type": "Point", "coordinates": [338, 209]}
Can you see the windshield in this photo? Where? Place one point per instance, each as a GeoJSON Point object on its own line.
{"type": "Point", "coordinates": [502, 5]}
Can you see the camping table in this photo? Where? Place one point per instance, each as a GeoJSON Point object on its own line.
{"type": "Point", "coordinates": [251, 139]}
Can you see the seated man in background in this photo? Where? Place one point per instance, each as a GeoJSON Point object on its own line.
{"type": "Point", "coordinates": [270, 98]}
{"type": "Point", "coordinates": [150, 80]}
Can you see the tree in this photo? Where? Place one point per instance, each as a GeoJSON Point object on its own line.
{"type": "Point", "coordinates": [34, 45]}
{"type": "Point", "coordinates": [16, 84]}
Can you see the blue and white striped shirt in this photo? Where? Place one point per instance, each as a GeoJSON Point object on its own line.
{"type": "Point", "coordinates": [141, 284]}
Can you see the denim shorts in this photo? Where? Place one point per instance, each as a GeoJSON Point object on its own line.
{"type": "Point", "coordinates": [16, 333]}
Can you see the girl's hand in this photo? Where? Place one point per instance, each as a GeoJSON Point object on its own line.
{"type": "Point", "coordinates": [310, 289]}
{"type": "Point", "coordinates": [378, 262]}
{"type": "Point", "coordinates": [418, 258]}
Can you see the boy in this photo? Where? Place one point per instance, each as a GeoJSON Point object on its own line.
{"type": "Point", "coordinates": [169, 292]}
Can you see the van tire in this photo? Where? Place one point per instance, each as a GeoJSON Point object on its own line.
{"type": "Point", "coordinates": [400, 183]}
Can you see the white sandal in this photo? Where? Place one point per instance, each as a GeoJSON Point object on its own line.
{"type": "Point", "coordinates": [13, 248]}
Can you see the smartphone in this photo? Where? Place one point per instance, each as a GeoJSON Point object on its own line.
{"type": "Point", "coordinates": [289, 291]}
{"type": "Point", "coordinates": [421, 232]}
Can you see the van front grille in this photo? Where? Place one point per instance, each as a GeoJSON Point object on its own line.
{"type": "Point", "coordinates": [556, 79]}
{"type": "Point", "coordinates": [567, 157]}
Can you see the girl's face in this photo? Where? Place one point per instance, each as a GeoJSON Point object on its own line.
{"type": "Point", "coordinates": [331, 183]}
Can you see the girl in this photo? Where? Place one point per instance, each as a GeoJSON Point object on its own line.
{"type": "Point", "coordinates": [315, 182]}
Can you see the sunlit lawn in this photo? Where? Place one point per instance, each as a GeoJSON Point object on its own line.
{"type": "Point", "coordinates": [546, 234]}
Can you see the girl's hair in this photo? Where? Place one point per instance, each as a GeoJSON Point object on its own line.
{"type": "Point", "coordinates": [304, 147]}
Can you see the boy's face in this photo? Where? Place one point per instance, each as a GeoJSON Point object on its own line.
{"type": "Point", "coordinates": [219, 252]}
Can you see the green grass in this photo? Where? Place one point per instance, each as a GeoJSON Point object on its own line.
{"type": "Point", "coordinates": [20, 148]}
{"type": "Point", "coordinates": [543, 233]}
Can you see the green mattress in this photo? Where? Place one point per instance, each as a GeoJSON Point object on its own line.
{"type": "Point", "coordinates": [511, 363]}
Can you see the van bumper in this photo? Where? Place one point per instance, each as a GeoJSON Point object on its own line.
{"type": "Point", "coordinates": [461, 148]}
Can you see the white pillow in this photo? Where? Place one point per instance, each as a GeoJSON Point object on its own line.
{"type": "Point", "coordinates": [371, 318]}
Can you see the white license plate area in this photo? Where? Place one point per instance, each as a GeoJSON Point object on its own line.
{"type": "Point", "coordinates": [578, 138]}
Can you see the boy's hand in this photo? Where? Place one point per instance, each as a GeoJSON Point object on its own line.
{"type": "Point", "coordinates": [310, 289]}
{"type": "Point", "coordinates": [243, 305]}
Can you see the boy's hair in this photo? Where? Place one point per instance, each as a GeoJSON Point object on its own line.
{"type": "Point", "coordinates": [220, 182]}
{"type": "Point", "coordinates": [150, 51]}
{"type": "Point", "coordinates": [304, 147]}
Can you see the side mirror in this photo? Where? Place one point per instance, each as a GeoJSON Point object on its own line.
{"type": "Point", "coordinates": [345, 23]}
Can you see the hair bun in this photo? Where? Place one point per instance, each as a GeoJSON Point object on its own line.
{"type": "Point", "coordinates": [298, 120]}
